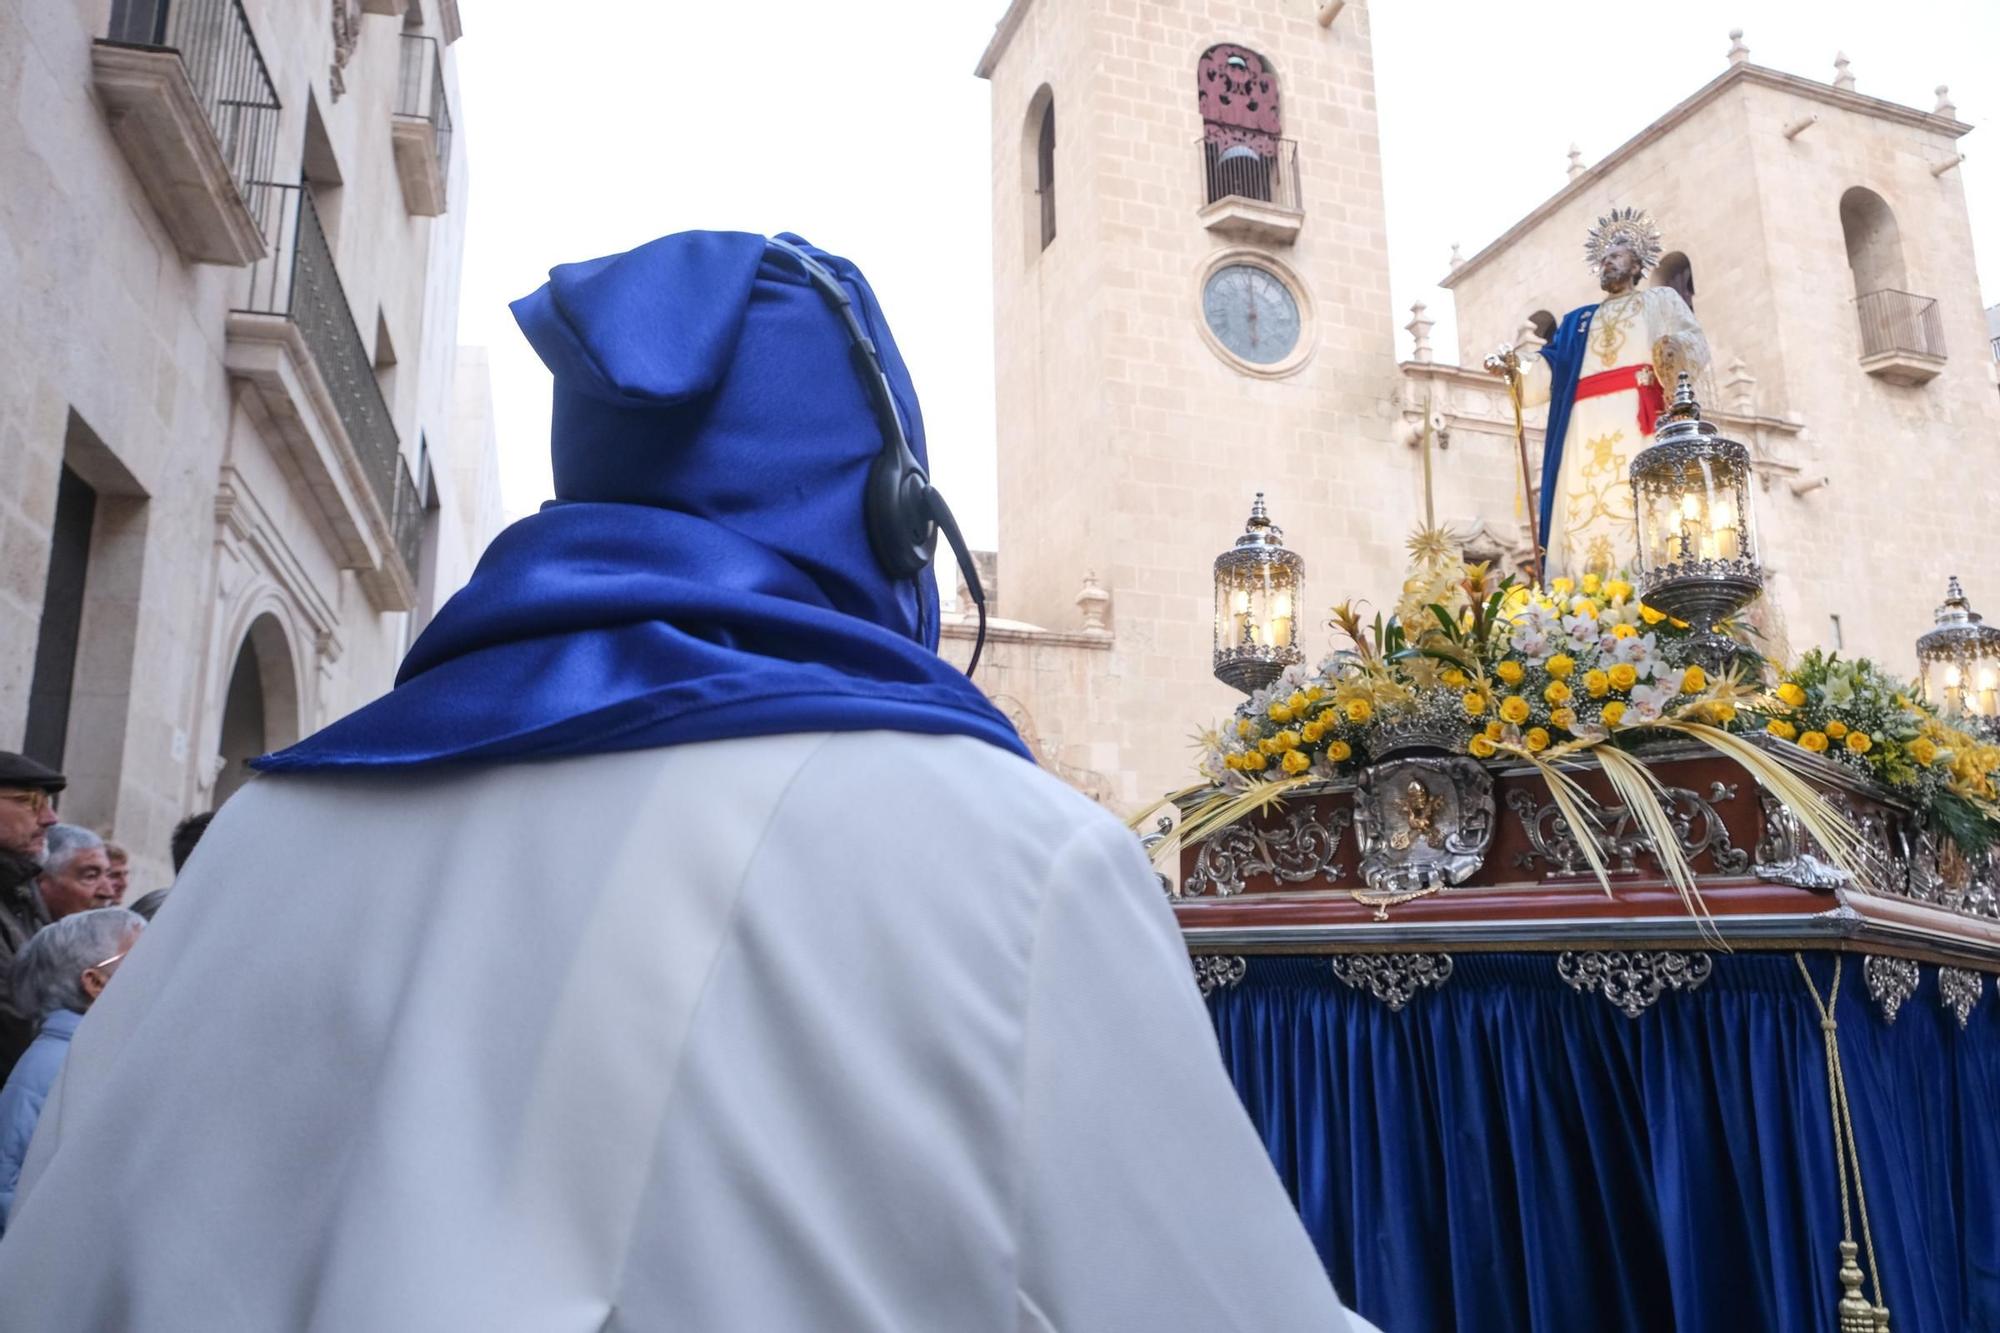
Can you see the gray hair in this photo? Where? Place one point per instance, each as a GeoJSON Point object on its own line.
{"type": "Point", "coordinates": [66, 842]}
{"type": "Point", "coordinates": [49, 973]}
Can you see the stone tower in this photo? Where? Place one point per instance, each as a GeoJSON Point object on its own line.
{"type": "Point", "coordinates": [1191, 296]}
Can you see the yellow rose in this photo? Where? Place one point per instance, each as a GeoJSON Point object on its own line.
{"type": "Point", "coordinates": [1295, 761]}
{"type": "Point", "coordinates": [1455, 678]}
{"type": "Point", "coordinates": [1536, 739]}
{"type": "Point", "coordinates": [1269, 745]}
{"type": "Point", "coordinates": [1560, 666]}
{"type": "Point", "coordinates": [1245, 729]}
{"type": "Point", "coordinates": [1583, 606]}
{"type": "Point", "coordinates": [1510, 671]}
{"type": "Point", "coordinates": [1695, 681]}
{"type": "Point", "coordinates": [1480, 747]}
{"type": "Point", "coordinates": [1649, 615]}
{"type": "Point", "coordinates": [1624, 632]}
{"type": "Point", "coordinates": [1311, 732]}
{"type": "Point", "coordinates": [1719, 711]}
{"type": "Point", "coordinates": [1297, 703]}
{"type": "Point", "coordinates": [1791, 695]}
{"type": "Point", "coordinates": [1359, 710]}
{"type": "Point", "coordinates": [1557, 693]}
{"type": "Point", "coordinates": [1858, 742]}
{"type": "Point", "coordinates": [1614, 713]}
{"type": "Point", "coordinates": [1814, 741]}
{"type": "Point", "coordinates": [1314, 693]}
{"type": "Point", "coordinates": [1494, 731]}
{"type": "Point", "coordinates": [1514, 709]}
{"type": "Point", "coordinates": [1617, 590]}
{"type": "Point", "coordinates": [1253, 762]}
{"type": "Point", "coordinates": [1592, 584]}
{"type": "Point", "coordinates": [1924, 750]}
{"type": "Point", "coordinates": [1623, 675]}
{"type": "Point", "coordinates": [1280, 713]}
{"type": "Point", "coordinates": [1233, 762]}
{"type": "Point", "coordinates": [1564, 718]}
{"type": "Point", "coordinates": [1286, 740]}
{"type": "Point", "coordinates": [1338, 751]}
{"type": "Point", "coordinates": [1562, 587]}
{"type": "Point", "coordinates": [1836, 729]}
{"type": "Point", "coordinates": [1596, 683]}
{"type": "Point", "coordinates": [1474, 703]}
{"type": "Point", "coordinates": [1780, 728]}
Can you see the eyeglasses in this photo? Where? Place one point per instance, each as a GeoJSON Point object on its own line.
{"type": "Point", "coordinates": [34, 798]}
{"type": "Point", "coordinates": [112, 960]}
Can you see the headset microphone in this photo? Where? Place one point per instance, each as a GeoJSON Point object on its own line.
{"type": "Point", "coordinates": [902, 510]}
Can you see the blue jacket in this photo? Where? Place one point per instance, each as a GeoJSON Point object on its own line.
{"type": "Point", "coordinates": [21, 1100]}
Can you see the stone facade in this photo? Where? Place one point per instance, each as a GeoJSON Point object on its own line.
{"type": "Point", "coordinates": [1863, 510]}
{"type": "Point", "coordinates": [245, 576]}
{"type": "Point", "coordinates": [1129, 444]}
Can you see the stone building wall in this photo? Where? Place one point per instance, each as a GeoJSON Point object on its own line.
{"type": "Point", "coordinates": [1863, 508]}
{"type": "Point", "coordinates": [207, 534]}
{"type": "Point", "coordinates": [1127, 445]}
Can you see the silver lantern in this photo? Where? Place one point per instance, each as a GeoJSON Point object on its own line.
{"type": "Point", "coordinates": [1257, 587]}
{"type": "Point", "coordinates": [1698, 557]}
{"type": "Point", "coordinates": [1958, 662]}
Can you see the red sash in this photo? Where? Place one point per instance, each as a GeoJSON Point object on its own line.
{"type": "Point", "coordinates": [1652, 398]}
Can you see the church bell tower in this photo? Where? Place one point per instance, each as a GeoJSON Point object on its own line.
{"type": "Point", "coordinates": [1191, 298]}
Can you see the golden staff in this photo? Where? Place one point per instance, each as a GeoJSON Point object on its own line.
{"type": "Point", "coordinates": [1509, 363]}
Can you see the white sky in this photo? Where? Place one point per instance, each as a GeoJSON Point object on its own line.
{"type": "Point", "coordinates": [600, 124]}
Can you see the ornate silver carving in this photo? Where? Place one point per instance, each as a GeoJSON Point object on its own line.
{"type": "Point", "coordinates": [1890, 982]}
{"type": "Point", "coordinates": [1305, 848]}
{"type": "Point", "coordinates": [1697, 828]}
{"type": "Point", "coordinates": [1212, 970]}
{"type": "Point", "coordinates": [1163, 829]}
{"type": "Point", "coordinates": [1960, 990]}
{"type": "Point", "coordinates": [1392, 978]}
{"type": "Point", "coordinates": [1787, 854]}
{"type": "Point", "coordinates": [1421, 824]}
{"type": "Point", "coordinates": [1632, 980]}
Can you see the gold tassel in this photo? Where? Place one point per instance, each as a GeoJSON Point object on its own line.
{"type": "Point", "coordinates": [1855, 1314]}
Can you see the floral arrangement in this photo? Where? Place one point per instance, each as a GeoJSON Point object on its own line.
{"type": "Point", "coordinates": [1489, 667]}
{"type": "Point", "coordinates": [1857, 714]}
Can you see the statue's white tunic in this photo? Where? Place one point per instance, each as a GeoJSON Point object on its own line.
{"type": "Point", "coordinates": [853, 1032]}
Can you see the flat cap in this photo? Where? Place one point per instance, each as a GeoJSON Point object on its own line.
{"type": "Point", "coordinates": [17, 770]}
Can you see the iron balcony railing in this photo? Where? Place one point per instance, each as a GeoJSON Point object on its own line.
{"type": "Point", "coordinates": [420, 92]}
{"type": "Point", "coordinates": [408, 519]}
{"type": "Point", "coordinates": [296, 279]}
{"type": "Point", "coordinates": [225, 69]}
{"type": "Point", "coordinates": [1240, 171]}
{"type": "Point", "coordinates": [1893, 321]}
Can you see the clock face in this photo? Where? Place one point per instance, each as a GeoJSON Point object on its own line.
{"type": "Point", "coordinates": [1252, 313]}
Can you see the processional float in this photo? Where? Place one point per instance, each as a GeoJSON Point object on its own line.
{"type": "Point", "coordinates": [1582, 968]}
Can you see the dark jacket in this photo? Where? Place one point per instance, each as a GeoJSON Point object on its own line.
{"type": "Point", "coordinates": [21, 915]}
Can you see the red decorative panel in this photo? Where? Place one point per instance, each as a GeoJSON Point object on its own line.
{"type": "Point", "coordinates": [1238, 97]}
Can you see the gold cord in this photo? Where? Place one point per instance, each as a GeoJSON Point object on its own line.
{"type": "Point", "coordinates": [1854, 1312]}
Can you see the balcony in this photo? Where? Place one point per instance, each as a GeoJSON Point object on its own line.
{"type": "Point", "coordinates": [294, 346]}
{"type": "Point", "coordinates": [1251, 193]}
{"type": "Point", "coordinates": [192, 106]}
{"type": "Point", "coordinates": [421, 127]}
{"type": "Point", "coordinates": [1902, 336]}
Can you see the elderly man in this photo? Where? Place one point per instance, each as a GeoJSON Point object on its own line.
{"type": "Point", "coordinates": [60, 974]}
{"type": "Point", "coordinates": [27, 810]}
{"type": "Point", "coordinates": [76, 873]}
{"type": "Point", "coordinates": [722, 961]}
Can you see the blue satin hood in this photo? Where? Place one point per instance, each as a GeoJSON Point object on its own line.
{"type": "Point", "coordinates": [704, 571]}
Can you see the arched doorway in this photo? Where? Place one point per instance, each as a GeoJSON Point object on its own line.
{"type": "Point", "coordinates": [1874, 242]}
{"type": "Point", "coordinates": [260, 709]}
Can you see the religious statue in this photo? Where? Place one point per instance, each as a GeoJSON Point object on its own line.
{"type": "Point", "coordinates": [1603, 374]}
{"type": "Point", "coordinates": [1420, 808]}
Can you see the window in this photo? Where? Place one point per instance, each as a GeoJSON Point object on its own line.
{"type": "Point", "coordinates": [1039, 150]}
{"type": "Point", "coordinates": [62, 620]}
{"type": "Point", "coordinates": [1674, 271]}
{"type": "Point", "coordinates": [1236, 92]}
{"type": "Point", "coordinates": [1874, 244]}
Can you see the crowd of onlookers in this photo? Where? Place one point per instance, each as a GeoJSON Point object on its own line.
{"type": "Point", "coordinates": [63, 933]}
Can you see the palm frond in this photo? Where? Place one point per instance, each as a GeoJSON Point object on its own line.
{"type": "Point", "coordinates": [1643, 793]}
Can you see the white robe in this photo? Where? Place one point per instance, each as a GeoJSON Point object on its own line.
{"type": "Point", "coordinates": [801, 1033]}
{"type": "Point", "coordinates": [1593, 529]}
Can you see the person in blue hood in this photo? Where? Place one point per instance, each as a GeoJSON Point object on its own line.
{"type": "Point", "coordinates": [681, 944]}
